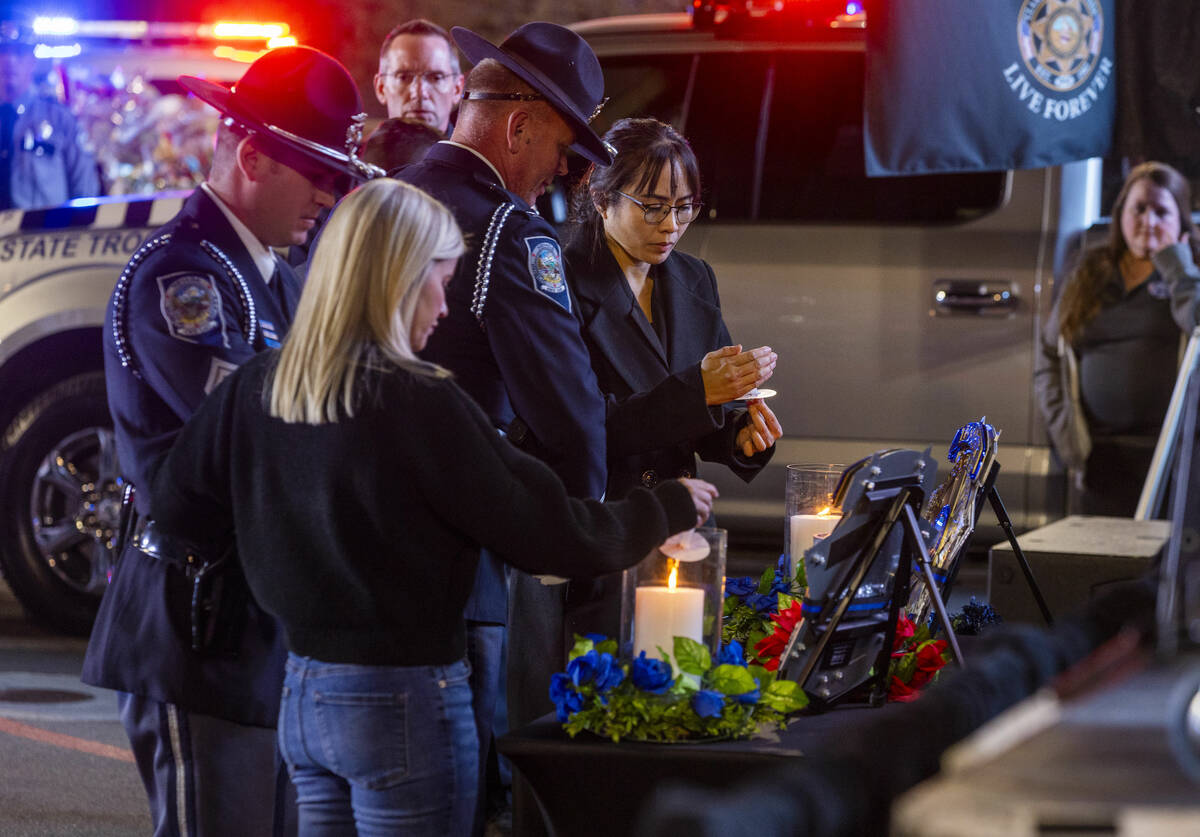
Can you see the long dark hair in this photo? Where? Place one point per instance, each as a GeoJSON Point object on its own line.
{"type": "Point", "coordinates": [1091, 287]}
{"type": "Point", "coordinates": [644, 147]}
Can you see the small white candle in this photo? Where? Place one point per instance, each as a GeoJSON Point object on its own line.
{"type": "Point", "coordinates": [662, 613]}
{"type": "Point", "coordinates": [807, 529]}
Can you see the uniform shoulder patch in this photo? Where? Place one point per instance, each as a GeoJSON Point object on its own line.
{"type": "Point", "coordinates": [545, 268]}
{"type": "Point", "coordinates": [191, 305]}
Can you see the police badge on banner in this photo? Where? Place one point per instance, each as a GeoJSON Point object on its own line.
{"type": "Point", "coordinates": [979, 85]}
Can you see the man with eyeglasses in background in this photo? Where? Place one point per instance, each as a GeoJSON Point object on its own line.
{"type": "Point", "coordinates": [419, 76]}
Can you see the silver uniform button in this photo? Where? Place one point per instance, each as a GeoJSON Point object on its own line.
{"type": "Point", "coordinates": [650, 478]}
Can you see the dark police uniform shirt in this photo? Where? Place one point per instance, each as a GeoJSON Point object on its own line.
{"type": "Point", "coordinates": [190, 307]}
{"type": "Point", "coordinates": [511, 336]}
{"type": "Point", "coordinates": [42, 158]}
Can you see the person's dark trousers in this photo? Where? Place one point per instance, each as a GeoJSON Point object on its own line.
{"type": "Point", "coordinates": [485, 643]}
{"type": "Point", "coordinates": [206, 776]}
{"type": "Point", "coordinates": [536, 650]}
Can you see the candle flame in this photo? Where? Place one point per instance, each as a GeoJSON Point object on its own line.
{"type": "Point", "coordinates": [674, 573]}
{"type": "Point", "coordinates": [828, 512]}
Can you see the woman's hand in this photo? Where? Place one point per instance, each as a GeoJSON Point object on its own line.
{"type": "Point", "coordinates": [703, 493]}
{"type": "Point", "coordinates": [729, 373]}
{"type": "Point", "coordinates": [760, 430]}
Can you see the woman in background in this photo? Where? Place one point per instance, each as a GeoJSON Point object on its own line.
{"type": "Point", "coordinates": [359, 483]}
{"type": "Point", "coordinates": [1110, 351]}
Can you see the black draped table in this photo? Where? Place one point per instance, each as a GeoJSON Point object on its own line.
{"type": "Point", "coordinates": [589, 785]}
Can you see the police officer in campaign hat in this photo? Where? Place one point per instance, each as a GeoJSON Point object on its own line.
{"type": "Point", "coordinates": [511, 336]}
{"type": "Point", "coordinates": [197, 664]}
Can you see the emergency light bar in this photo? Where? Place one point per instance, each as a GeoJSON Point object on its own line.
{"type": "Point", "coordinates": [67, 27]}
{"type": "Point", "coordinates": [837, 14]}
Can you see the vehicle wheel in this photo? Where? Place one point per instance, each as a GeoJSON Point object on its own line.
{"type": "Point", "coordinates": [60, 501]}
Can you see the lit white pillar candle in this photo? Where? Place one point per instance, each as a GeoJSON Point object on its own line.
{"type": "Point", "coordinates": [806, 529]}
{"type": "Point", "coordinates": [662, 613]}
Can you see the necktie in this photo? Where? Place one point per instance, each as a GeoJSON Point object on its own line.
{"type": "Point", "coordinates": [280, 278]}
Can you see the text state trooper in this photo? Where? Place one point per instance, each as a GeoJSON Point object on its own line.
{"type": "Point", "coordinates": [201, 296]}
{"type": "Point", "coordinates": [511, 336]}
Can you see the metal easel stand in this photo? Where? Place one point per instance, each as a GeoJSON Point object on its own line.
{"type": "Point", "coordinates": [900, 512]}
{"type": "Point", "coordinates": [993, 497]}
{"type": "Point", "coordinates": [1150, 503]}
{"type": "Point", "coordinates": [1170, 604]}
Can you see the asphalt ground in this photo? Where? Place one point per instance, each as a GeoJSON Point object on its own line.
{"type": "Point", "coordinates": [65, 765]}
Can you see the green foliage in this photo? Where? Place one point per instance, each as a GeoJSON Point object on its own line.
{"type": "Point", "coordinates": [743, 623]}
{"type": "Point", "coordinates": [627, 712]}
{"type": "Point", "coordinates": [691, 657]}
{"type": "Point", "coordinates": [732, 680]}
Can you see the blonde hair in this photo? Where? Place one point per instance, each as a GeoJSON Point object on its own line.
{"type": "Point", "coordinates": [358, 302]}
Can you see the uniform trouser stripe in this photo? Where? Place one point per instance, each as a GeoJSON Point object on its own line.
{"type": "Point", "coordinates": [176, 728]}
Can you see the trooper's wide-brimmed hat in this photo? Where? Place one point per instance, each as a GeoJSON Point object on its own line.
{"type": "Point", "coordinates": [557, 63]}
{"type": "Point", "coordinates": [300, 98]}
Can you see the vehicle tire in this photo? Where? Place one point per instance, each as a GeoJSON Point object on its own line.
{"type": "Point", "coordinates": [60, 499]}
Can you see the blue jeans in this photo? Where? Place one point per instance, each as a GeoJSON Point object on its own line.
{"type": "Point", "coordinates": [375, 750]}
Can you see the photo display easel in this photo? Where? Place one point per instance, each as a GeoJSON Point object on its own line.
{"type": "Point", "coordinates": [859, 577]}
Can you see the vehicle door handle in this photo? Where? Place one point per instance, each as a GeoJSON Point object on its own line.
{"type": "Point", "coordinates": [983, 297]}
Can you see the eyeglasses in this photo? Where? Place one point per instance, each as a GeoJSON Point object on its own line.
{"type": "Point", "coordinates": [656, 213]}
{"type": "Point", "coordinates": [436, 80]}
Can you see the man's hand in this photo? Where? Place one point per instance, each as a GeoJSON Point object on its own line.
{"type": "Point", "coordinates": [729, 373]}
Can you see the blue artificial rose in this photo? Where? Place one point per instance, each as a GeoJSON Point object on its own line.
{"type": "Point", "coordinates": [608, 673]}
{"type": "Point", "coordinates": [707, 703]}
{"type": "Point", "coordinates": [596, 638]}
{"type": "Point", "coordinates": [732, 654]}
{"type": "Point", "coordinates": [582, 669]}
{"type": "Point", "coordinates": [763, 602]}
{"type": "Point", "coordinates": [566, 700]}
{"type": "Point", "coordinates": [743, 586]}
{"type": "Point", "coordinates": [651, 674]}
{"type": "Point", "coordinates": [782, 584]}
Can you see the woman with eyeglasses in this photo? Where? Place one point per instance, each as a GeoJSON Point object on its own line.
{"type": "Point", "coordinates": [652, 320]}
{"type": "Point", "coordinates": [359, 483]}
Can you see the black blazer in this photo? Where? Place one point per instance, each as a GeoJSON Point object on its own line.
{"type": "Point", "coordinates": [657, 421]}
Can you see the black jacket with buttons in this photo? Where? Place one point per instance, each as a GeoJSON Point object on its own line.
{"type": "Point", "coordinates": [657, 419]}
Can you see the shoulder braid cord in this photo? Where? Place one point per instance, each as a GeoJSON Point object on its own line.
{"type": "Point", "coordinates": [483, 270]}
{"type": "Point", "coordinates": [249, 319]}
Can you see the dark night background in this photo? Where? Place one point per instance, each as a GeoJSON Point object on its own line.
{"type": "Point", "coordinates": [350, 30]}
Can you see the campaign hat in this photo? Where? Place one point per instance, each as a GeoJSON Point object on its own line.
{"type": "Point", "coordinates": [300, 100]}
{"type": "Point", "coordinates": [559, 65]}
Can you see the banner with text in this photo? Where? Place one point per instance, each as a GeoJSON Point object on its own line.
{"type": "Point", "coordinates": [984, 85]}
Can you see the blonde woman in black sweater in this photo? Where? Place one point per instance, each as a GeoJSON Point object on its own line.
{"type": "Point", "coordinates": [358, 484]}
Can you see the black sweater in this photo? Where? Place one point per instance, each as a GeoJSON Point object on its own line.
{"type": "Point", "coordinates": [362, 536]}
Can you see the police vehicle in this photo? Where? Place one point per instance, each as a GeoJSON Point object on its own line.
{"type": "Point", "coordinates": [901, 307]}
{"type": "Point", "coordinates": [60, 485]}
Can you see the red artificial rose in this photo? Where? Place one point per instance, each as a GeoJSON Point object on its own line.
{"type": "Point", "coordinates": [901, 693]}
{"type": "Point", "coordinates": [929, 662]}
{"type": "Point", "coordinates": [904, 631]}
{"type": "Point", "coordinates": [771, 646]}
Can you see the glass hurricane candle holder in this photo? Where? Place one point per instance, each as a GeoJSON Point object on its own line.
{"type": "Point", "coordinates": [676, 590]}
{"type": "Point", "coordinates": [809, 508]}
